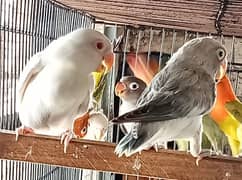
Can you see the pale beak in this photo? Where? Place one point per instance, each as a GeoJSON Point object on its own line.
{"type": "Point", "coordinates": [222, 70]}
{"type": "Point", "coordinates": [120, 88]}
{"type": "Point", "coordinates": [107, 63]}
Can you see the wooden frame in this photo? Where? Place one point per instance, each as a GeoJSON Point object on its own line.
{"type": "Point", "coordinates": [100, 156]}
{"type": "Point", "coordinates": [199, 16]}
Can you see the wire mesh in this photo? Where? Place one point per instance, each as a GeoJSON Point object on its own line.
{"type": "Point", "coordinates": [26, 27]}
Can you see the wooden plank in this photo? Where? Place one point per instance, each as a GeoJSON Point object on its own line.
{"type": "Point", "coordinates": [99, 156]}
{"type": "Point", "coordinates": [197, 15]}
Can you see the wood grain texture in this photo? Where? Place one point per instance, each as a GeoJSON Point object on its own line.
{"type": "Point", "coordinates": [99, 156]}
{"type": "Point", "coordinates": [197, 15]}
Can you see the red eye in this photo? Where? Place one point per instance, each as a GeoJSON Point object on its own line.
{"type": "Point", "coordinates": [99, 45]}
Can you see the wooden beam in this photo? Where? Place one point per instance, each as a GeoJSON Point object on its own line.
{"type": "Point", "coordinates": [188, 15]}
{"type": "Point", "coordinates": [99, 156]}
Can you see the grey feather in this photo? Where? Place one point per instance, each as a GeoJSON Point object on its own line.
{"type": "Point", "coordinates": [171, 107]}
{"type": "Point", "coordinates": [175, 99]}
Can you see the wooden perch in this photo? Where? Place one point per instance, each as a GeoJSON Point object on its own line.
{"type": "Point", "coordinates": [100, 156]}
{"type": "Point", "coordinates": [199, 16]}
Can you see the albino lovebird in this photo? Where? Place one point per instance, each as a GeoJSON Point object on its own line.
{"type": "Point", "coordinates": [56, 85]}
{"type": "Point", "coordinates": [128, 89]}
{"type": "Point", "coordinates": [172, 105]}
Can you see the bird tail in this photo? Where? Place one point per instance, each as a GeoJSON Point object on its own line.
{"type": "Point", "coordinates": [126, 146]}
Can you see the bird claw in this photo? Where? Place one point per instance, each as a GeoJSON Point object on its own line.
{"type": "Point", "coordinates": [204, 154]}
{"type": "Point", "coordinates": [23, 130]}
{"type": "Point", "coordinates": [66, 138]}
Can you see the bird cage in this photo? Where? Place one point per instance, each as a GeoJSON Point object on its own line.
{"type": "Point", "coordinates": [145, 33]}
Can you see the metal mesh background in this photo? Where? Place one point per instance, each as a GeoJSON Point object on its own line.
{"type": "Point", "coordinates": [26, 27]}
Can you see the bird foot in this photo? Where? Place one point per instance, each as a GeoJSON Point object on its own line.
{"type": "Point", "coordinates": [204, 154]}
{"type": "Point", "coordinates": [66, 138]}
{"type": "Point", "coordinates": [23, 131]}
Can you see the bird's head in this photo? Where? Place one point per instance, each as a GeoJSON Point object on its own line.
{"type": "Point", "coordinates": [90, 48]}
{"type": "Point", "coordinates": [207, 53]}
{"type": "Point", "coordinates": [129, 88]}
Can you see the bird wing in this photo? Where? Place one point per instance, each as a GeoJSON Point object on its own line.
{"type": "Point", "coordinates": [167, 98]}
{"type": "Point", "coordinates": [33, 67]}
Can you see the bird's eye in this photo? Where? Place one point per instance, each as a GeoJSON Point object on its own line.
{"type": "Point", "coordinates": [221, 54]}
{"type": "Point", "coordinates": [134, 86]}
{"type": "Point", "coordinates": [84, 131]}
{"type": "Point", "coordinates": [99, 45]}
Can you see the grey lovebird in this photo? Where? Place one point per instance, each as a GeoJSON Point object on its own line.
{"type": "Point", "coordinates": [56, 85]}
{"type": "Point", "coordinates": [128, 89]}
{"type": "Point", "coordinates": [172, 106]}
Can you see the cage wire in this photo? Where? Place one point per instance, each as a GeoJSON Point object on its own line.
{"type": "Point", "coordinates": [28, 26]}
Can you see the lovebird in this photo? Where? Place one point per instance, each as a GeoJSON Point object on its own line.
{"type": "Point", "coordinates": [226, 114]}
{"type": "Point", "coordinates": [56, 85]}
{"type": "Point", "coordinates": [161, 115]}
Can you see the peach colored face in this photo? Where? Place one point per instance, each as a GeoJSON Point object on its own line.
{"type": "Point", "coordinates": [80, 125]}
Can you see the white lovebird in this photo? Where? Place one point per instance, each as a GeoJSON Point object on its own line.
{"type": "Point", "coordinates": [56, 85]}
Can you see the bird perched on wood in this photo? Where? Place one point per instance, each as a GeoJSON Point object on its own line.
{"type": "Point", "coordinates": [92, 126]}
{"type": "Point", "coordinates": [55, 87]}
{"type": "Point", "coordinates": [128, 89]}
{"type": "Point", "coordinates": [226, 113]}
{"type": "Point", "coordinates": [172, 106]}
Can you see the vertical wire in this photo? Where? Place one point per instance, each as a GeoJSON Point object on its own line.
{"type": "Point", "coordinates": [12, 77]}
{"type": "Point", "coordinates": [14, 46]}
{"type": "Point", "coordinates": [8, 48]}
{"type": "Point", "coordinates": [161, 48]}
{"type": "Point", "coordinates": [137, 49]}
{"type": "Point", "coordinates": [23, 45]}
{"type": "Point", "coordinates": [127, 34]}
{"type": "Point", "coordinates": [173, 42]}
{"type": "Point", "coordinates": [3, 66]}
{"type": "Point", "coordinates": [185, 37]}
{"type": "Point", "coordinates": [112, 79]}
{"type": "Point", "coordinates": [232, 57]}
{"type": "Point", "coordinates": [43, 25]}
{"type": "Point", "coordinates": [149, 48]}
{"type": "Point", "coordinates": [25, 29]}
{"type": "Point", "coordinates": [36, 26]}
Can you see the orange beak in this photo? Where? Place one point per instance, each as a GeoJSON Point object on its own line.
{"type": "Point", "coordinates": [107, 63]}
{"type": "Point", "coordinates": [120, 88]}
{"type": "Point", "coordinates": [222, 70]}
